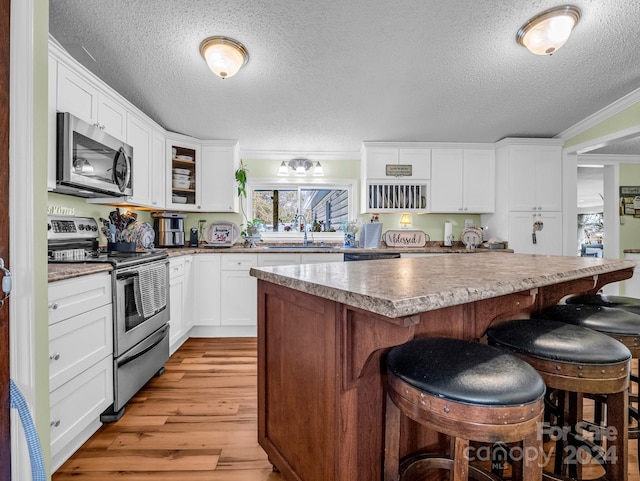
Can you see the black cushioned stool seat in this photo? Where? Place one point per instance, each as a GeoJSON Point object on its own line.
{"type": "Point", "coordinates": [621, 302]}
{"type": "Point", "coordinates": [466, 390]}
{"type": "Point", "coordinates": [623, 325]}
{"type": "Point", "coordinates": [575, 359]}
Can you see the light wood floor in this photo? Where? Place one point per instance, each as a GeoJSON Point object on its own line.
{"type": "Point", "coordinates": [196, 422]}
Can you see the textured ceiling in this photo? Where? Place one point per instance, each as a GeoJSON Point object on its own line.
{"type": "Point", "coordinates": [327, 75]}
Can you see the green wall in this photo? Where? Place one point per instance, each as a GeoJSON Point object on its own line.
{"type": "Point", "coordinates": [630, 230]}
{"type": "Point", "coordinates": [432, 224]}
{"type": "Point", "coordinates": [40, 134]}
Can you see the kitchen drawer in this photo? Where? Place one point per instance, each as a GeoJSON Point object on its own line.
{"type": "Point", "coordinates": [77, 404]}
{"type": "Point", "coordinates": [239, 262]}
{"type": "Point", "coordinates": [71, 297]}
{"type": "Point", "coordinates": [79, 342]}
{"type": "Point", "coordinates": [176, 267]}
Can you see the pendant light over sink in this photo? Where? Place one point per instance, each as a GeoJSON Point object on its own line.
{"type": "Point", "coordinates": [548, 31]}
{"type": "Point", "coordinates": [224, 56]}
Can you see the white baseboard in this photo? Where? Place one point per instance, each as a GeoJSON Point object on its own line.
{"type": "Point", "coordinates": [223, 331]}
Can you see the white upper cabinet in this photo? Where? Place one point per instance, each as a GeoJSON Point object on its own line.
{"type": "Point", "coordinates": [395, 177]}
{"type": "Point", "coordinates": [219, 163]}
{"type": "Point", "coordinates": [81, 97]}
{"type": "Point", "coordinates": [210, 167]}
{"type": "Point", "coordinates": [462, 180]}
{"type": "Point", "coordinates": [395, 163]}
{"type": "Point", "coordinates": [147, 166]}
{"type": "Point", "coordinates": [535, 178]}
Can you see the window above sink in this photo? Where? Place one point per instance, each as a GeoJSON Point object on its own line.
{"type": "Point", "coordinates": [327, 205]}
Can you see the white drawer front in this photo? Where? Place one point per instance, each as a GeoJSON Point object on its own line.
{"type": "Point", "coordinates": [79, 402]}
{"type": "Point", "coordinates": [239, 262]}
{"type": "Point", "coordinates": [71, 297]}
{"type": "Point", "coordinates": [77, 343]}
{"type": "Point", "coordinates": [176, 268]}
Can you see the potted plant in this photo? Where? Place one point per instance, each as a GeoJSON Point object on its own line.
{"type": "Point", "coordinates": [251, 232]}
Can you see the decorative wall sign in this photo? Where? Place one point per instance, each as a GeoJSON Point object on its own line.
{"type": "Point", "coordinates": [399, 170]}
{"type": "Point", "coordinates": [630, 200]}
{"type": "Point", "coordinates": [405, 238]}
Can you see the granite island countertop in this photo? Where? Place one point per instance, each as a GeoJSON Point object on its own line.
{"type": "Point", "coordinates": [404, 287]}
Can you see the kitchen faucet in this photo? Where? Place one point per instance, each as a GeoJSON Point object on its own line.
{"type": "Point", "coordinates": [305, 241]}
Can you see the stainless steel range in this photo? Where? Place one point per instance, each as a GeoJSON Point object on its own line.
{"type": "Point", "coordinates": [140, 289]}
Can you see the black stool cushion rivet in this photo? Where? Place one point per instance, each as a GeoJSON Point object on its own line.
{"type": "Point", "coordinates": [466, 372]}
{"type": "Point", "coordinates": [559, 341]}
{"type": "Point", "coordinates": [599, 318]}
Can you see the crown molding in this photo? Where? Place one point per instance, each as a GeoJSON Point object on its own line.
{"type": "Point", "coordinates": [601, 115]}
{"type": "Point", "coordinates": [608, 159]}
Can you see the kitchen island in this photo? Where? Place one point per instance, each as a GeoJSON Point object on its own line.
{"type": "Point", "coordinates": [323, 330]}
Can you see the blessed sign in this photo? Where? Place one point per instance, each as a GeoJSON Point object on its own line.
{"type": "Point", "coordinates": [399, 170]}
{"type": "Point", "coordinates": [405, 238]}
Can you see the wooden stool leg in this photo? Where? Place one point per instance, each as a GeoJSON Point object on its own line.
{"type": "Point", "coordinates": [532, 458]}
{"type": "Point", "coordinates": [617, 412]}
{"type": "Point", "coordinates": [392, 442]}
{"type": "Point", "coordinates": [461, 460]}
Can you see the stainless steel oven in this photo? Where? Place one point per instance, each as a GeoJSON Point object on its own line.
{"type": "Point", "coordinates": [140, 290]}
{"type": "Point", "coordinates": [141, 330]}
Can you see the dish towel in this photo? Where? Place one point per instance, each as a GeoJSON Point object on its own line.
{"type": "Point", "coordinates": [150, 289]}
{"type": "Point", "coordinates": [33, 442]}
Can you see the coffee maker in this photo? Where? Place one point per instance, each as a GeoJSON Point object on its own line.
{"type": "Point", "coordinates": [169, 229]}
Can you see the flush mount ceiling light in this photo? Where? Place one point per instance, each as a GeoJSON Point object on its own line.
{"type": "Point", "coordinates": [300, 166]}
{"type": "Point", "coordinates": [224, 56]}
{"type": "Point", "coordinates": [548, 31]}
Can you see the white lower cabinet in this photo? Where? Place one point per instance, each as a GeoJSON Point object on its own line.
{"type": "Point", "coordinates": [177, 301]}
{"type": "Point", "coordinates": [239, 291]}
{"type": "Point", "coordinates": [206, 284]}
{"type": "Point", "coordinates": [548, 239]}
{"type": "Point", "coordinates": [80, 361]}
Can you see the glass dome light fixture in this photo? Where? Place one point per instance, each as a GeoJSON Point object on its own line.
{"type": "Point", "coordinates": [283, 169]}
{"type": "Point", "coordinates": [548, 31]}
{"type": "Point", "coordinates": [318, 171]}
{"type": "Point", "coordinates": [300, 166]}
{"type": "Point", "coordinates": [224, 56]}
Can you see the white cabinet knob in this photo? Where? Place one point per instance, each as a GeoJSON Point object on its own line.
{"type": "Point", "coordinates": [53, 306]}
{"type": "Point", "coordinates": [55, 424]}
{"type": "Point", "coordinates": [54, 357]}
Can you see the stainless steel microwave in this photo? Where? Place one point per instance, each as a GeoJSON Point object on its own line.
{"type": "Point", "coordinates": [90, 162]}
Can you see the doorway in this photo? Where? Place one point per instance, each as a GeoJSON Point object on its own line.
{"type": "Point", "coordinates": [590, 211]}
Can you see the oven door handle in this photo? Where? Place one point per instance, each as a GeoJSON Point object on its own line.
{"type": "Point", "coordinates": [144, 346]}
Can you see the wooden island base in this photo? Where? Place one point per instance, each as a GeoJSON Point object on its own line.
{"type": "Point", "coordinates": [321, 381]}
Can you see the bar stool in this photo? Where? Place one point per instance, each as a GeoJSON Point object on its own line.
{"type": "Point", "coordinates": [468, 391]}
{"type": "Point", "coordinates": [631, 304]}
{"type": "Point", "coordinates": [622, 325]}
{"type": "Point", "coordinates": [579, 361]}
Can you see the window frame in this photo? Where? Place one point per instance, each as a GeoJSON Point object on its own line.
{"type": "Point", "coordinates": [349, 185]}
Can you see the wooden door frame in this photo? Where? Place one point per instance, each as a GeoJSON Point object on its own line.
{"type": "Point", "coordinates": [5, 417]}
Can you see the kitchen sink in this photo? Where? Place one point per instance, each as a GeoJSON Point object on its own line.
{"type": "Point", "coordinates": [299, 246]}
